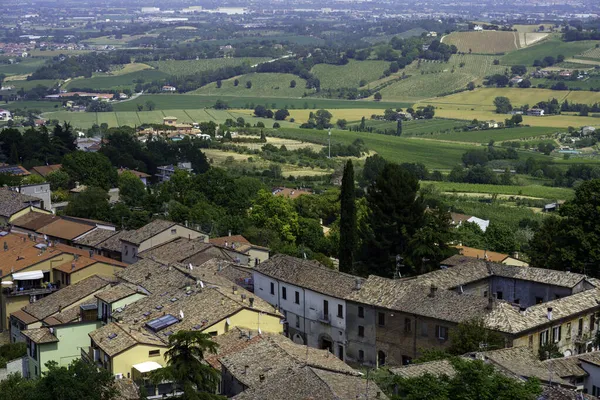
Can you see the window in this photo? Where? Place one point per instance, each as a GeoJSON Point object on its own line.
{"type": "Point", "coordinates": [407, 325]}
{"type": "Point", "coordinates": [568, 333]}
{"type": "Point", "coordinates": [153, 353]}
{"type": "Point", "coordinates": [340, 311]}
{"type": "Point", "coordinates": [325, 310]}
{"type": "Point", "coordinates": [595, 390]}
{"type": "Point", "coordinates": [441, 332]}
{"type": "Point", "coordinates": [297, 298]}
{"type": "Point", "coordinates": [499, 295]}
{"type": "Point", "coordinates": [543, 338]}
{"type": "Point", "coordinates": [539, 300]}
{"type": "Point", "coordinates": [213, 333]}
{"type": "Point", "coordinates": [33, 351]}
{"type": "Point", "coordinates": [424, 329]}
{"type": "Point", "coordinates": [173, 231]}
{"type": "Point", "coordinates": [361, 355]}
{"type": "Point", "coordinates": [283, 293]}
{"type": "Point", "coordinates": [272, 288]}
{"type": "Point", "coordinates": [341, 352]}
{"type": "Point", "coordinates": [361, 331]}
{"type": "Point", "coordinates": [361, 312]}
{"type": "Point", "coordinates": [381, 319]}
{"type": "Point", "coordinates": [557, 296]}
{"type": "Point", "coordinates": [556, 334]}
{"type": "Point", "coordinates": [580, 326]}
{"type": "Point", "coordinates": [297, 321]}
{"type": "Point", "coordinates": [485, 294]}
{"type": "Point", "coordinates": [406, 360]}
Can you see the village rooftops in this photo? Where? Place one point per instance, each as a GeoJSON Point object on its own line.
{"type": "Point", "coordinates": [114, 338]}
{"type": "Point", "coordinates": [12, 202]}
{"type": "Point", "coordinates": [232, 342]}
{"type": "Point", "coordinates": [277, 353]}
{"type": "Point", "coordinates": [570, 367]}
{"type": "Point", "coordinates": [308, 274]}
{"type": "Point", "coordinates": [19, 252]}
{"type": "Point", "coordinates": [95, 237]}
{"type": "Point", "coordinates": [66, 297]}
{"type": "Point", "coordinates": [113, 243]}
{"type": "Point", "coordinates": [437, 368]}
{"type": "Point", "coordinates": [40, 335]}
{"type": "Point", "coordinates": [482, 254]}
{"type": "Point", "coordinates": [155, 276]}
{"type": "Point", "coordinates": [44, 170]}
{"type": "Point", "coordinates": [236, 242]}
{"type": "Point", "coordinates": [72, 314]}
{"type": "Point", "coordinates": [85, 261]}
{"type": "Point", "coordinates": [119, 292]}
{"type": "Point", "coordinates": [34, 221]}
{"type": "Point", "coordinates": [312, 383]}
{"type": "Point", "coordinates": [177, 250]}
{"type": "Point", "coordinates": [65, 229]}
{"type": "Point", "coordinates": [147, 231]}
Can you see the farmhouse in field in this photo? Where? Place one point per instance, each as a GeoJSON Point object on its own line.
{"type": "Point", "coordinates": [478, 28]}
{"type": "Point", "coordinates": [459, 219]}
{"type": "Point", "coordinates": [168, 88]}
{"type": "Point", "coordinates": [536, 112]}
{"type": "Point", "coordinates": [5, 115]}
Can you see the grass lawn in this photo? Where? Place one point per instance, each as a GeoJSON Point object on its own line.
{"type": "Point", "coordinates": [349, 75]}
{"type": "Point", "coordinates": [189, 101]}
{"type": "Point", "coordinates": [544, 192]}
{"type": "Point", "coordinates": [551, 47]}
{"type": "Point", "coordinates": [26, 66]}
{"type": "Point", "coordinates": [188, 67]}
{"type": "Point", "coordinates": [263, 85]}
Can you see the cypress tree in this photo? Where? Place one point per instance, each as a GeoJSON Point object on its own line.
{"type": "Point", "coordinates": [347, 220]}
{"type": "Point", "coordinates": [14, 154]}
{"type": "Point", "coordinates": [399, 128]}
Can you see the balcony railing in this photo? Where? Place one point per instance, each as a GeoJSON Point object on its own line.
{"type": "Point", "coordinates": [324, 318]}
{"type": "Point", "coordinates": [34, 291]}
{"type": "Point", "coordinates": [87, 355]}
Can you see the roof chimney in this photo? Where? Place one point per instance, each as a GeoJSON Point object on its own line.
{"type": "Point", "coordinates": [491, 302]}
{"type": "Point", "coordinates": [91, 253]}
{"type": "Point", "coordinates": [357, 283]}
{"type": "Point", "coordinates": [246, 369]}
{"type": "Point", "coordinates": [432, 290]}
{"type": "Point", "coordinates": [261, 377]}
{"type": "Point", "coordinates": [251, 300]}
{"type": "Point", "coordinates": [234, 289]}
{"type": "Point", "coordinates": [550, 313]}
{"type": "Point", "coordinates": [522, 310]}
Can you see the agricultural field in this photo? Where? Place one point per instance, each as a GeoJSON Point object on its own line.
{"type": "Point", "coordinates": [25, 67]}
{"type": "Point", "coordinates": [533, 28]}
{"type": "Point", "coordinates": [230, 158]}
{"type": "Point", "coordinates": [484, 42]}
{"type": "Point", "coordinates": [191, 101]}
{"type": "Point", "coordinates": [349, 75]}
{"type": "Point", "coordinates": [431, 79]}
{"type": "Point", "coordinates": [434, 154]}
{"type": "Point", "coordinates": [263, 85]}
{"type": "Point", "coordinates": [593, 53]}
{"type": "Point", "coordinates": [116, 82]}
{"type": "Point", "coordinates": [530, 38]}
{"type": "Point", "coordinates": [129, 68]}
{"type": "Point", "coordinates": [542, 192]}
{"type": "Point", "coordinates": [498, 135]}
{"type": "Point", "coordinates": [551, 47]}
{"type": "Point", "coordinates": [188, 67]}
{"type": "Point", "coordinates": [34, 105]}
{"type": "Point", "coordinates": [418, 127]}
{"type": "Point", "coordinates": [112, 41]}
{"type": "Point", "coordinates": [483, 98]}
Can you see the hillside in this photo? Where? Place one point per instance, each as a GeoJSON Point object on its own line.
{"type": "Point", "coordinates": [349, 75]}
{"type": "Point", "coordinates": [484, 42]}
{"type": "Point", "coordinates": [263, 85]}
{"type": "Point", "coordinates": [551, 47]}
{"type": "Point", "coordinates": [187, 67]}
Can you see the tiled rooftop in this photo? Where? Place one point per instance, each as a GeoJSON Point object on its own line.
{"type": "Point", "coordinates": [436, 368]}
{"type": "Point", "coordinates": [66, 296]}
{"type": "Point", "coordinates": [180, 249]}
{"type": "Point", "coordinates": [308, 274]}
{"type": "Point", "coordinates": [40, 335]}
{"type": "Point", "coordinates": [113, 338]}
{"type": "Point", "coordinates": [95, 237]}
{"type": "Point", "coordinates": [34, 220]}
{"type": "Point", "coordinates": [147, 231]}
{"type": "Point", "coordinates": [65, 229]}
{"type": "Point", "coordinates": [11, 202]}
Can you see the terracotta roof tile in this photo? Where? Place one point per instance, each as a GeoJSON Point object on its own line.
{"type": "Point", "coordinates": [34, 220]}
{"type": "Point", "coordinates": [24, 317]}
{"type": "Point", "coordinates": [40, 335]}
{"type": "Point", "coordinates": [44, 170]}
{"type": "Point", "coordinates": [65, 229]}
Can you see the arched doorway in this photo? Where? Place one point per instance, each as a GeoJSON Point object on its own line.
{"type": "Point", "coordinates": [380, 358]}
{"type": "Point", "coordinates": [298, 339]}
{"type": "Point", "coordinates": [326, 343]}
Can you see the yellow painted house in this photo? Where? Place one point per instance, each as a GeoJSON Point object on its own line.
{"type": "Point", "coordinates": [14, 205]}
{"type": "Point", "coordinates": [139, 331]}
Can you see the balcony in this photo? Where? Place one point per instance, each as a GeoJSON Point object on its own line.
{"type": "Point", "coordinates": [582, 338]}
{"type": "Point", "coordinates": [87, 355]}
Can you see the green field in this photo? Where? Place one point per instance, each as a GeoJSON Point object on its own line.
{"type": "Point", "coordinates": [593, 53]}
{"type": "Point", "coordinates": [84, 120]}
{"type": "Point", "coordinates": [189, 101]}
{"type": "Point", "coordinates": [551, 47]}
{"type": "Point", "coordinates": [439, 155]}
{"type": "Point", "coordinates": [263, 85]}
{"type": "Point", "coordinates": [34, 105]}
{"type": "Point", "coordinates": [104, 81]}
{"type": "Point", "coordinates": [26, 66]}
{"type": "Point", "coordinates": [497, 135]}
{"type": "Point", "coordinates": [430, 79]}
{"type": "Point", "coordinates": [544, 192]}
{"type": "Point", "coordinates": [417, 127]}
{"type": "Point", "coordinates": [349, 75]}
{"type": "Point", "coordinates": [188, 67]}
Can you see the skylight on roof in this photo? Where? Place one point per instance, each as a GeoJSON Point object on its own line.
{"type": "Point", "coordinates": [3, 233]}
{"type": "Point", "coordinates": [112, 336]}
{"type": "Point", "coordinates": [41, 246]}
{"type": "Point", "coordinates": [161, 323]}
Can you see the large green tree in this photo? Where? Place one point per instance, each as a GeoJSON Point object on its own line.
{"type": "Point", "coordinates": [186, 367]}
{"type": "Point", "coordinates": [396, 213]}
{"type": "Point", "coordinates": [90, 203]}
{"type": "Point", "coordinates": [91, 169]}
{"type": "Point", "coordinates": [572, 239]}
{"type": "Point", "coordinates": [473, 335]}
{"type": "Point", "coordinates": [348, 234]}
{"type": "Point", "coordinates": [131, 189]}
{"type": "Point", "coordinates": [275, 213]}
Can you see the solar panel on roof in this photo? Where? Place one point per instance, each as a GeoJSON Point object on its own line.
{"type": "Point", "coordinates": [147, 313]}
{"type": "Point", "coordinates": [161, 323]}
{"type": "Point", "coordinates": [159, 307]}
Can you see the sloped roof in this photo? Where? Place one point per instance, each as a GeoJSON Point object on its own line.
{"type": "Point", "coordinates": [12, 202]}
{"type": "Point", "coordinates": [44, 170]}
{"type": "Point", "coordinates": [24, 317]}
{"type": "Point", "coordinates": [436, 368]}
{"type": "Point", "coordinates": [34, 220]}
{"type": "Point", "coordinates": [117, 292]}
{"type": "Point", "coordinates": [147, 231]}
{"type": "Point", "coordinates": [84, 262]}
{"type": "Point", "coordinates": [113, 243]}
{"type": "Point", "coordinates": [114, 338]}
{"type": "Point", "coordinates": [176, 250]}
{"type": "Point", "coordinates": [308, 274]}
{"type": "Point", "coordinates": [65, 229]}
{"type": "Point", "coordinates": [95, 237]}
{"type": "Point", "coordinates": [66, 296]}
{"type": "Point", "coordinates": [40, 335]}
{"type": "Point", "coordinates": [154, 276]}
